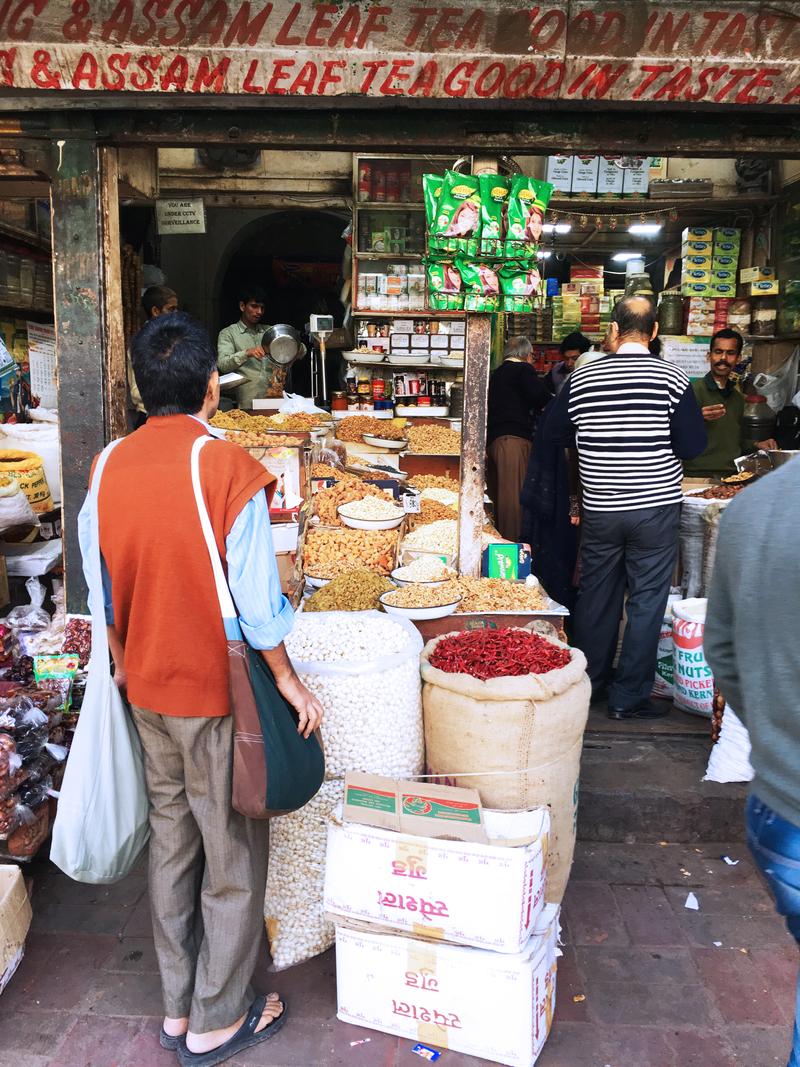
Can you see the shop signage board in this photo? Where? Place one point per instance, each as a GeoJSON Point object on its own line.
{"type": "Point", "coordinates": [689, 53]}
{"type": "Point", "coordinates": [187, 215]}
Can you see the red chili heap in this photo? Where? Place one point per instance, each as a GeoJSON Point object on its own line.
{"type": "Point", "coordinates": [498, 654]}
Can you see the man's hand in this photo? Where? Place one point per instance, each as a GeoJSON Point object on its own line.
{"type": "Point", "coordinates": [308, 708]}
{"type": "Point", "coordinates": [713, 412]}
{"type": "Point", "coordinates": [768, 446]}
{"type": "Point", "coordinates": [256, 353]}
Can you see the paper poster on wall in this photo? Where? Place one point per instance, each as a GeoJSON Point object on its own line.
{"type": "Point", "coordinates": [181, 216]}
{"type": "Point", "coordinates": [42, 362]}
{"type": "Point", "coordinates": [689, 355]}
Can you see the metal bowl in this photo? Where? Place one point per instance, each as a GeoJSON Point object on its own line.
{"type": "Point", "coordinates": [282, 344]}
{"type": "Point", "coordinates": [779, 456]}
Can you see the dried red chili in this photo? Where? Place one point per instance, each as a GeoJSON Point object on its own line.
{"type": "Point", "coordinates": [504, 653]}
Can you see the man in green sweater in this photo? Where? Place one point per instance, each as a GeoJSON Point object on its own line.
{"type": "Point", "coordinates": [756, 666]}
{"type": "Point", "coordinates": [723, 409]}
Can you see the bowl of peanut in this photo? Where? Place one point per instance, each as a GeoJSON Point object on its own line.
{"type": "Point", "coordinates": [418, 602]}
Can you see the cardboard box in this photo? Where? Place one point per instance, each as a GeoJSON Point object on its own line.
{"type": "Point", "coordinates": [511, 562]}
{"type": "Point", "coordinates": [559, 173]}
{"type": "Point", "coordinates": [696, 289]}
{"type": "Point", "coordinates": [610, 177]}
{"type": "Point", "coordinates": [723, 288]}
{"type": "Point", "coordinates": [727, 233]}
{"type": "Point", "coordinates": [730, 262]}
{"type": "Point", "coordinates": [15, 921]}
{"type": "Point", "coordinates": [696, 262]}
{"type": "Point", "coordinates": [766, 287]}
{"type": "Point", "coordinates": [636, 182]}
{"type": "Point", "coordinates": [728, 277]}
{"type": "Point", "coordinates": [413, 808]}
{"type": "Point", "coordinates": [498, 1008]}
{"type": "Point", "coordinates": [724, 248]}
{"type": "Point", "coordinates": [697, 233]}
{"type": "Point", "coordinates": [442, 890]}
{"type": "Point", "coordinates": [695, 274]}
{"type": "Point", "coordinates": [585, 170]}
{"type": "Point", "coordinates": [697, 248]}
{"type": "Point", "coordinates": [756, 274]}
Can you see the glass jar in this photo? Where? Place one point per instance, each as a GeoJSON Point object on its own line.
{"type": "Point", "coordinates": [670, 314]}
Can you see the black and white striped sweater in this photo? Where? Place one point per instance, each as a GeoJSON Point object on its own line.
{"type": "Point", "coordinates": [633, 418]}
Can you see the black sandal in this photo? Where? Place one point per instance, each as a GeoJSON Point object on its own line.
{"type": "Point", "coordinates": [245, 1037]}
{"type": "Point", "coordinates": [168, 1042]}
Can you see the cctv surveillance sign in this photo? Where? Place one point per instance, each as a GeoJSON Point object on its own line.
{"type": "Point", "coordinates": [181, 216]}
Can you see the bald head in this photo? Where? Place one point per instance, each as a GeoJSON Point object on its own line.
{"type": "Point", "coordinates": [633, 320]}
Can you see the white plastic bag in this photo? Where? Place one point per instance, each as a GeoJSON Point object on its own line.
{"type": "Point", "coordinates": [15, 508]}
{"type": "Point", "coordinates": [102, 821]}
{"type": "Point", "coordinates": [730, 757]}
{"type": "Point", "coordinates": [43, 439]}
{"type": "Point", "coordinates": [294, 404]}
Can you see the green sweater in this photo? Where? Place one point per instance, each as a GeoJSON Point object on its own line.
{"type": "Point", "coordinates": [752, 627]}
{"type": "Point", "coordinates": [724, 435]}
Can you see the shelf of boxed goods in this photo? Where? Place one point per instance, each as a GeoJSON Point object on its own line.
{"type": "Point", "coordinates": [620, 205]}
{"type": "Point", "coordinates": [391, 256]}
{"type": "Point", "coordinates": [407, 313]}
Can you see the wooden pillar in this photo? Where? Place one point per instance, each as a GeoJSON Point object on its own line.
{"type": "Point", "coordinates": [473, 443]}
{"type": "Point", "coordinates": [115, 362]}
{"type": "Point", "coordinates": [81, 192]}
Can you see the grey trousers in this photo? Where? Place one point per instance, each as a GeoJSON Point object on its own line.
{"type": "Point", "coordinates": [208, 870]}
{"type": "Point", "coordinates": [637, 549]}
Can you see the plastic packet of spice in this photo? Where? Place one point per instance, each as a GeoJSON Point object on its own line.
{"type": "Point", "coordinates": [55, 674]}
{"type": "Point", "coordinates": [426, 1052]}
{"type": "Point", "coordinates": [457, 224]}
{"type": "Point", "coordinates": [495, 191]}
{"type": "Point", "coordinates": [481, 285]}
{"type": "Point", "coordinates": [432, 190]}
{"type": "Point", "coordinates": [527, 204]}
{"type": "Point", "coordinates": [518, 283]}
{"type": "Point", "coordinates": [444, 287]}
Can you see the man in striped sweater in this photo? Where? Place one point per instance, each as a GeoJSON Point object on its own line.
{"type": "Point", "coordinates": [633, 418]}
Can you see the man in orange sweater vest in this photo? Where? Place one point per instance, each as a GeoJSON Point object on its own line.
{"type": "Point", "coordinates": [208, 864]}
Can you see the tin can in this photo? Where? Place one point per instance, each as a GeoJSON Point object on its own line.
{"type": "Point", "coordinates": [378, 388]}
{"type": "Point", "coordinates": [413, 386]}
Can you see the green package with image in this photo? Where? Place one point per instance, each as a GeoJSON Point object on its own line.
{"type": "Point", "coordinates": [495, 191]}
{"type": "Point", "coordinates": [527, 204]}
{"type": "Point", "coordinates": [444, 287]}
{"type": "Point", "coordinates": [457, 225]}
{"type": "Point", "coordinates": [432, 190]}
{"type": "Point", "coordinates": [481, 285]}
{"type": "Point", "coordinates": [519, 284]}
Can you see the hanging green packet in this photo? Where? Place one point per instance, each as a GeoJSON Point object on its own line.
{"type": "Point", "coordinates": [519, 284]}
{"type": "Point", "coordinates": [444, 287]}
{"type": "Point", "coordinates": [527, 204]}
{"type": "Point", "coordinates": [481, 285]}
{"type": "Point", "coordinates": [495, 190]}
{"type": "Point", "coordinates": [431, 191]}
{"type": "Point", "coordinates": [458, 215]}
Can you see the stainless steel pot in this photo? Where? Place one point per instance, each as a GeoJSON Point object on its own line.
{"type": "Point", "coordinates": [779, 456]}
{"type": "Point", "coordinates": [282, 344]}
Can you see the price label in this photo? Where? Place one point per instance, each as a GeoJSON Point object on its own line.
{"type": "Point", "coordinates": [411, 501]}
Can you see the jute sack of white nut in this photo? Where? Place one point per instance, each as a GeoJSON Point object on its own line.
{"type": "Point", "coordinates": [364, 668]}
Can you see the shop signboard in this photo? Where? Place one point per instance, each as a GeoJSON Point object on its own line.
{"type": "Point", "coordinates": [679, 53]}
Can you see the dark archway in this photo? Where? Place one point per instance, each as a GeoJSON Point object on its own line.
{"type": "Point", "coordinates": [296, 257]}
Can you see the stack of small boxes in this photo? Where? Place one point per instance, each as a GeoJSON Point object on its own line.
{"type": "Point", "coordinates": [582, 304]}
{"type": "Point", "coordinates": [710, 261]}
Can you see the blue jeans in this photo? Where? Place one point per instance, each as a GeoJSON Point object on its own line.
{"type": "Point", "coordinates": [775, 844]}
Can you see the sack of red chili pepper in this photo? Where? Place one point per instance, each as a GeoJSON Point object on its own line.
{"type": "Point", "coordinates": [503, 653]}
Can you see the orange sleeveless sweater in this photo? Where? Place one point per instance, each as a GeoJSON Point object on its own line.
{"type": "Point", "coordinates": [166, 610]}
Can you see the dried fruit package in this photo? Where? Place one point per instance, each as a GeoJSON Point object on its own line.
{"type": "Point", "coordinates": [495, 190]}
{"type": "Point", "coordinates": [432, 190]}
{"type": "Point", "coordinates": [457, 225]}
{"type": "Point", "coordinates": [527, 204]}
{"type": "Point", "coordinates": [519, 282]}
{"type": "Point", "coordinates": [481, 285]}
{"type": "Point", "coordinates": [444, 287]}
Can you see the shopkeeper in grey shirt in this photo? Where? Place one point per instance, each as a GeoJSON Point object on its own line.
{"type": "Point", "coordinates": [239, 350]}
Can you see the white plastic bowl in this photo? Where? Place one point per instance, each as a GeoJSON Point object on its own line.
{"type": "Point", "coordinates": [411, 581]}
{"type": "Point", "coordinates": [419, 614]}
{"type": "Point", "coordinates": [316, 583]}
{"type": "Point", "coordinates": [382, 442]}
{"type": "Point", "coordinates": [369, 524]}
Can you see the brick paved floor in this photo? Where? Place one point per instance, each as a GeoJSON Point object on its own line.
{"type": "Point", "coordinates": [658, 992]}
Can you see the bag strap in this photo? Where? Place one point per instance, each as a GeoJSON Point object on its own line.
{"type": "Point", "coordinates": [227, 608]}
{"type": "Point", "coordinates": [94, 569]}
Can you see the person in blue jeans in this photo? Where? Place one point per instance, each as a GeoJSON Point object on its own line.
{"type": "Point", "coordinates": [757, 667]}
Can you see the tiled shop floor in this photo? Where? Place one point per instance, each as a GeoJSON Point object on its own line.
{"type": "Point", "coordinates": [642, 983]}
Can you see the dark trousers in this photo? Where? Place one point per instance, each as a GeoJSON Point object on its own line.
{"type": "Point", "coordinates": [775, 844]}
{"type": "Point", "coordinates": [637, 549]}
